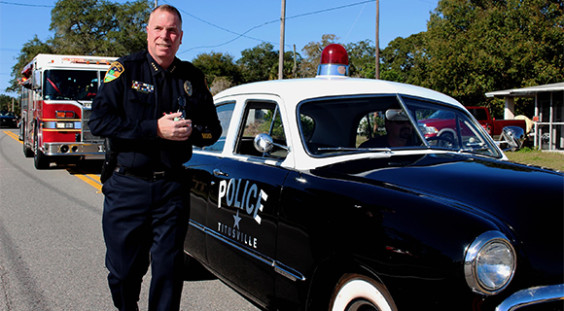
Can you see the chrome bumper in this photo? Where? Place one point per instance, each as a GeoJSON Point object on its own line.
{"type": "Point", "coordinates": [532, 296]}
{"type": "Point", "coordinates": [86, 150]}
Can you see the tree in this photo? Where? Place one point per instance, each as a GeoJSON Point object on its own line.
{"type": "Point", "coordinates": [292, 61]}
{"type": "Point", "coordinates": [483, 45]}
{"type": "Point", "coordinates": [361, 59]}
{"type": "Point", "coordinates": [259, 63]}
{"type": "Point", "coordinates": [92, 27]}
{"type": "Point", "coordinates": [6, 104]}
{"type": "Point", "coordinates": [219, 84]}
{"type": "Point", "coordinates": [218, 65]}
{"type": "Point", "coordinates": [404, 60]}
{"type": "Point", "coordinates": [28, 52]}
{"type": "Point", "coordinates": [129, 35]}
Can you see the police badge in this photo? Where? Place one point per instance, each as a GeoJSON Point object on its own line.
{"type": "Point", "coordinates": [188, 88]}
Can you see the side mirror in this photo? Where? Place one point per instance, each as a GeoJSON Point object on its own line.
{"type": "Point", "coordinates": [264, 144]}
{"type": "Point", "coordinates": [36, 84]}
{"type": "Point", "coordinates": [512, 138]}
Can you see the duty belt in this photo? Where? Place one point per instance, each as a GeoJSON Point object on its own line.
{"type": "Point", "coordinates": [147, 174]}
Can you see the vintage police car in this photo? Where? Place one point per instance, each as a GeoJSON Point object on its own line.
{"type": "Point", "coordinates": [304, 203]}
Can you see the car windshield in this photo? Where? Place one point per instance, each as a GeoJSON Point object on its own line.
{"type": "Point", "coordinates": [333, 126]}
{"type": "Point", "coordinates": [70, 84]}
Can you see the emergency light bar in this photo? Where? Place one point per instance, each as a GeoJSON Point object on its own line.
{"type": "Point", "coordinates": [86, 61]}
{"type": "Point", "coordinates": [334, 61]}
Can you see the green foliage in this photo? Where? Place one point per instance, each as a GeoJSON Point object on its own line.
{"type": "Point", "coordinates": [292, 62]}
{"type": "Point", "coordinates": [6, 104]}
{"type": "Point", "coordinates": [362, 59]}
{"type": "Point", "coordinates": [259, 63]}
{"type": "Point", "coordinates": [404, 60]}
{"type": "Point", "coordinates": [92, 27]}
{"type": "Point", "coordinates": [276, 131]}
{"type": "Point", "coordinates": [28, 52]}
{"type": "Point", "coordinates": [478, 46]}
{"type": "Point", "coordinates": [551, 160]}
{"type": "Point", "coordinates": [307, 126]}
{"type": "Point", "coordinates": [218, 65]}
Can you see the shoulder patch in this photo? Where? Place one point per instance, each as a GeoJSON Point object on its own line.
{"type": "Point", "coordinates": [116, 69]}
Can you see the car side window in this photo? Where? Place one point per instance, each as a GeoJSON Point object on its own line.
{"type": "Point", "coordinates": [224, 113]}
{"type": "Point", "coordinates": [448, 129]}
{"type": "Point", "coordinates": [259, 118]}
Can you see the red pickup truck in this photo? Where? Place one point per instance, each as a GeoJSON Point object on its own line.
{"type": "Point", "coordinates": [493, 126]}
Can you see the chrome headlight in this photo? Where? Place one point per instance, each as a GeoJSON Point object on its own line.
{"type": "Point", "coordinates": [490, 263]}
{"type": "Point", "coordinates": [428, 130]}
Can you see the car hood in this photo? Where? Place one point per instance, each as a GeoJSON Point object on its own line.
{"type": "Point", "coordinates": [527, 201]}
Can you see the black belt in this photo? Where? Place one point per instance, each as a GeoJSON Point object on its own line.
{"type": "Point", "coordinates": [146, 174]}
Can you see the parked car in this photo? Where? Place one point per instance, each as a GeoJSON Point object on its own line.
{"type": "Point", "coordinates": [289, 210]}
{"type": "Point", "coordinates": [8, 119]}
{"type": "Point", "coordinates": [493, 126]}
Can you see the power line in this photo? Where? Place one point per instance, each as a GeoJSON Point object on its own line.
{"type": "Point", "coordinates": [28, 5]}
{"type": "Point", "coordinates": [244, 34]}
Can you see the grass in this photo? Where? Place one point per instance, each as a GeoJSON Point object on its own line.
{"type": "Point", "coordinates": [552, 160]}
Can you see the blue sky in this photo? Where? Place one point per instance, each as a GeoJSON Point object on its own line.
{"type": "Point", "coordinates": [230, 26]}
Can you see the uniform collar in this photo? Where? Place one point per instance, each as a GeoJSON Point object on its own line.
{"type": "Point", "coordinates": [156, 68]}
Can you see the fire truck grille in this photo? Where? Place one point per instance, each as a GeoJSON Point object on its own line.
{"type": "Point", "coordinates": [86, 134]}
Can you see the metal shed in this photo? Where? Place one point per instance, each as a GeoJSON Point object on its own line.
{"type": "Point", "coordinates": [549, 112]}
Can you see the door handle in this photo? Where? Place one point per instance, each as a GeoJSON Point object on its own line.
{"type": "Point", "coordinates": [218, 172]}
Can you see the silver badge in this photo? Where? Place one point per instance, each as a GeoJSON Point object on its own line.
{"type": "Point", "coordinates": [188, 88]}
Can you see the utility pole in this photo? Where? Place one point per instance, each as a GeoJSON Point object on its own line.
{"type": "Point", "coordinates": [377, 68]}
{"type": "Point", "coordinates": [295, 68]}
{"type": "Point", "coordinates": [281, 52]}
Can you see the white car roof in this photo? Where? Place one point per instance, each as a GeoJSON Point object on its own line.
{"type": "Point", "coordinates": [294, 91]}
{"type": "Point", "coordinates": [291, 92]}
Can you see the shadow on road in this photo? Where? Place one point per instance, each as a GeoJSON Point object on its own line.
{"type": "Point", "coordinates": [82, 167]}
{"type": "Point", "coordinates": [194, 271]}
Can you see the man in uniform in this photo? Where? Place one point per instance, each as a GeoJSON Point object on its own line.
{"type": "Point", "coordinates": [152, 107]}
{"type": "Point", "coordinates": [399, 132]}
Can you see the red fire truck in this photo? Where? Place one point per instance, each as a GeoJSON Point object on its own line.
{"type": "Point", "coordinates": [57, 94]}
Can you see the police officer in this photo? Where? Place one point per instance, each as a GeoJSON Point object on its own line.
{"type": "Point", "coordinates": [152, 107]}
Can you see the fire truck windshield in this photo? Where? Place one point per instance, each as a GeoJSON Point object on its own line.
{"type": "Point", "coordinates": [70, 84]}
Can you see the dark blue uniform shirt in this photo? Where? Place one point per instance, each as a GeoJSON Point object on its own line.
{"type": "Point", "coordinates": [136, 92]}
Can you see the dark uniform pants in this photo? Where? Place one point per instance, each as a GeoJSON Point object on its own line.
{"type": "Point", "coordinates": [145, 221]}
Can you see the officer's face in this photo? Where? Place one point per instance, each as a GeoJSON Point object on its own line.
{"type": "Point", "coordinates": [164, 36]}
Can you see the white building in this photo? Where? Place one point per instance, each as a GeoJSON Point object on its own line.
{"type": "Point", "coordinates": [549, 112]}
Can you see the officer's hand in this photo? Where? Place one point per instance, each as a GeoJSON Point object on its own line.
{"type": "Point", "coordinates": [169, 129]}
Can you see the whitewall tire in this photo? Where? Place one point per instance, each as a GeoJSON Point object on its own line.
{"type": "Point", "coordinates": [358, 292]}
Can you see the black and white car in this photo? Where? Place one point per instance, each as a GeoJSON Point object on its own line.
{"type": "Point", "coordinates": [289, 209]}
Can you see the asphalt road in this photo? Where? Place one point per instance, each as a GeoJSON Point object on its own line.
{"type": "Point", "coordinates": [51, 245]}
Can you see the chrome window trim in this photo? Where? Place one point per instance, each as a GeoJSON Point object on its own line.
{"type": "Point", "coordinates": [532, 296]}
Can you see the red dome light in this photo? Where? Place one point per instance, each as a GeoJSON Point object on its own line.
{"type": "Point", "coordinates": [334, 54]}
{"type": "Point", "coordinates": [334, 61]}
